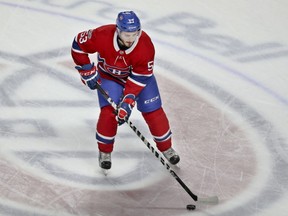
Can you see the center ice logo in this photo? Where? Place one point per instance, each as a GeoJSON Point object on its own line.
{"type": "Point", "coordinates": [48, 155]}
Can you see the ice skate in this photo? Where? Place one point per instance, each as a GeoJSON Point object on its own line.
{"type": "Point", "coordinates": [105, 161]}
{"type": "Point", "coordinates": [171, 155]}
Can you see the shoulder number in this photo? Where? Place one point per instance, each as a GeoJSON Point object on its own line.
{"type": "Point", "coordinates": [84, 36]}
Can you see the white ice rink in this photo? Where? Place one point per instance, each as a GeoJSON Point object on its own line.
{"type": "Point", "coordinates": [222, 70]}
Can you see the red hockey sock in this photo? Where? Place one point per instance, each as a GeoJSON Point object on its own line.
{"type": "Point", "coordinates": [106, 129]}
{"type": "Point", "coordinates": [158, 124]}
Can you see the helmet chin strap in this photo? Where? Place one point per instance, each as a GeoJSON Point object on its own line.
{"type": "Point", "coordinates": [119, 40]}
{"type": "Point", "coordinates": [121, 44]}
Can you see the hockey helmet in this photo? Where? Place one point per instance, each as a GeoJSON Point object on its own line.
{"type": "Point", "coordinates": [127, 21]}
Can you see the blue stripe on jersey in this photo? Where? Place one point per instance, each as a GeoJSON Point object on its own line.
{"type": "Point", "coordinates": [75, 45]}
{"type": "Point", "coordinates": [143, 79]}
{"type": "Point", "coordinates": [104, 139]}
{"type": "Point", "coordinates": [164, 137]}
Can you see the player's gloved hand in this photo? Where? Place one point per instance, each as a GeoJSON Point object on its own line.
{"type": "Point", "coordinates": [89, 75]}
{"type": "Point", "coordinates": [125, 108]}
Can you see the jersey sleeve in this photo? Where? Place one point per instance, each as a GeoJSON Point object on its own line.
{"type": "Point", "coordinates": [84, 43]}
{"type": "Point", "coordinates": [142, 70]}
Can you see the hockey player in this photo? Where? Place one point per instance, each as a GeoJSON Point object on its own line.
{"type": "Point", "coordinates": [125, 58]}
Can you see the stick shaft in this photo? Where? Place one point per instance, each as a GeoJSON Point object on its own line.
{"type": "Point", "coordinates": [162, 160]}
{"type": "Point", "coordinates": [146, 142]}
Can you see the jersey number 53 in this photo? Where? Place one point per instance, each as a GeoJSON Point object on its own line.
{"type": "Point", "coordinates": [84, 36]}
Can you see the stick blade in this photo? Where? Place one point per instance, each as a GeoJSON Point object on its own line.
{"type": "Point", "coordinates": [209, 200]}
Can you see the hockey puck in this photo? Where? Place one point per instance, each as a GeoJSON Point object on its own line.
{"type": "Point", "coordinates": [191, 207]}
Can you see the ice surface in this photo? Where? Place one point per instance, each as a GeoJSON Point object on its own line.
{"type": "Point", "coordinates": [221, 68]}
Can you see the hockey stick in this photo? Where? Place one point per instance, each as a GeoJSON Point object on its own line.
{"type": "Point", "coordinates": [205, 200]}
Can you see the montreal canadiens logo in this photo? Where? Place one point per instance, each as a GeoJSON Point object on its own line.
{"type": "Point", "coordinates": [118, 72]}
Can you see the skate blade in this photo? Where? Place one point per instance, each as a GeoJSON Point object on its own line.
{"type": "Point", "coordinates": [105, 172]}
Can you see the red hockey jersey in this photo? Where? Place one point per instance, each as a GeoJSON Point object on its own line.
{"type": "Point", "coordinates": [131, 67]}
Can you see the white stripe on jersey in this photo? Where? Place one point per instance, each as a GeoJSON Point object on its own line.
{"type": "Point", "coordinates": [145, 75]}
{"type": "Point", "coordinates": [105, 137]}
{"type": "Point", "coordinates": [164, 136]}
{"type": "Point", "coordinates": [137, 83]}
{"type": "Point", "coordinates": [78, 51]}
